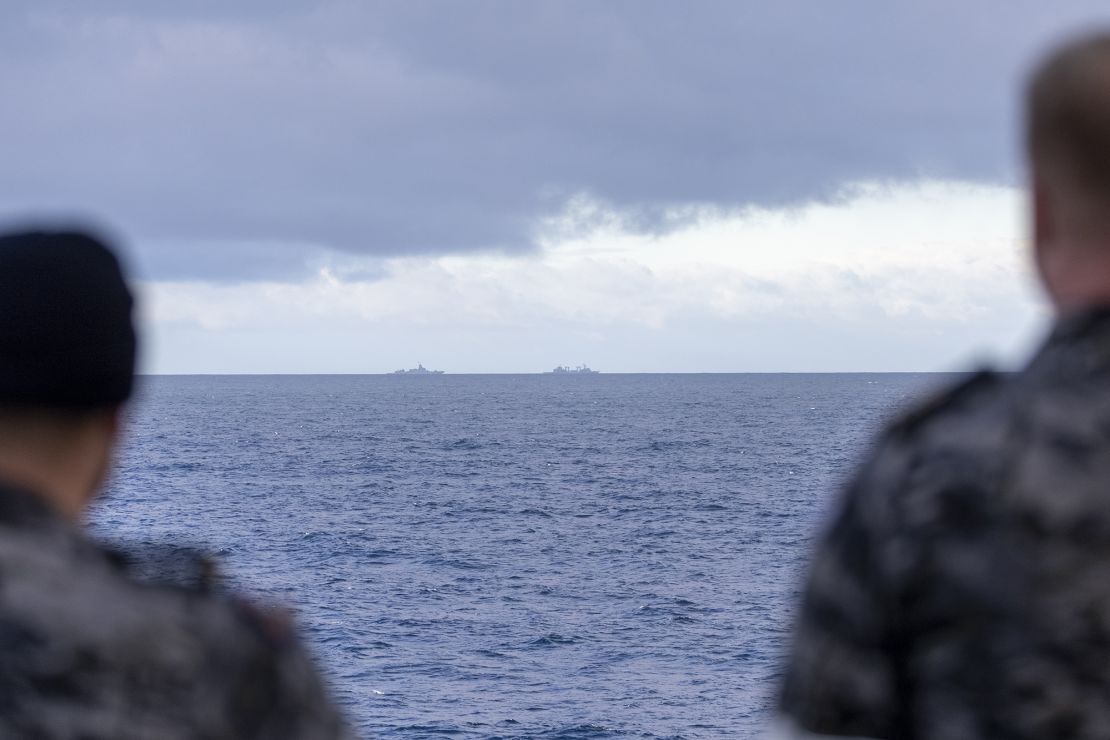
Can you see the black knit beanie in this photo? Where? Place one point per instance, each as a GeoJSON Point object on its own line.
{"type": "Point", "coordinates": [66, 335]}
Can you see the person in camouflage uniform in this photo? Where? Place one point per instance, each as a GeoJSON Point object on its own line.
{"type": "Point", "coordinates": [963, 589]}
{"type": "Point", "coordinates": [95, 644]}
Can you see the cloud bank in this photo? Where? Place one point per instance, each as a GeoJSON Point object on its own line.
{"type": "Point", "coordinates": [904, 277]}
{"type": "Point", "coordinates": [259, 141]}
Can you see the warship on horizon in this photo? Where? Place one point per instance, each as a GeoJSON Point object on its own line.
{"type": "Point", "coordinates": [418, 370]}
{"type": "Point", "coordinates": [566, 370]}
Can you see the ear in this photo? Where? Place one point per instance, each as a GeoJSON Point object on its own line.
{"type": "Point", "coordinates": [104, 431]}
{"type": "Point", "coordinates": [1044, 218]}
{"type": "Point", "coordinates": [1044, 234]}
{"type": "Point", "coordinates": [106, 424]}
{"type": "Point", "coordinates": [114, 421]}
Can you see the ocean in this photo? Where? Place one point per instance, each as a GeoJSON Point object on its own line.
{"type": "Point", "coordinates": [479, 556]}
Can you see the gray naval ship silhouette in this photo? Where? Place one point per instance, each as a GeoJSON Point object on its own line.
{"type": "Point", "coordinates": [418, 370]}
{"type": "Point", "coordinates": [566, 370]}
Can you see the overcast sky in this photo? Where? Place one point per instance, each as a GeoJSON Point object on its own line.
{"type": "Point", "coordinates": [506, 186]}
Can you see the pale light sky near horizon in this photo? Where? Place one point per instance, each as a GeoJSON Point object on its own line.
{"type": "Point", "coordinates": [495, 186]}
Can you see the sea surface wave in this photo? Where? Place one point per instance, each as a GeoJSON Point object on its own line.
{"type": "Point", "coordinates": [601, 556]}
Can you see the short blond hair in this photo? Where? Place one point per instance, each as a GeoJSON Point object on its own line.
{"type": "Point", "coordinates": [1068, 113]}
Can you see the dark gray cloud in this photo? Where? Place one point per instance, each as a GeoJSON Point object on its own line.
{"type": "Point", "coordinates": [242, 140]}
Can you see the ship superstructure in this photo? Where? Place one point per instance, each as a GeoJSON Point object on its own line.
{"type": "Point", "coordinates": [418, 370]}
{"type": "Point", "coordinates": [578, 370]}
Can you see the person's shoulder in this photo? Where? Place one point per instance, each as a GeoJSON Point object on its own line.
{"type": "Point", "coordinates": [163, 611]}
{"type": "Point", "coordinates": [276, 689]}
{"type": "Point", "coordinates": [970, 398]}
{"type": "Point", "coordinates": [952, 435]}
{"type": "Point", "coordinates": [271, 685]}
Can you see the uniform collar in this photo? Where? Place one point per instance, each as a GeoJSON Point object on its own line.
{"type": "Point", "coordinates": [1082, 324]}
{"type": "Point", "coordinates": [1079, 344]}
{"type": "Point", "coordinates": [20, 506]}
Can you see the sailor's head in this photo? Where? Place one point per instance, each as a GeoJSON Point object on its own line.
{"type": "Point", "coordinates": [67, 362]}
{"type": "Point", "coordinates": [1068, 138]}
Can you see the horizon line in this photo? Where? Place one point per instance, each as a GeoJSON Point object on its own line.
{"type": "Point", "coordinates": [542, 373]}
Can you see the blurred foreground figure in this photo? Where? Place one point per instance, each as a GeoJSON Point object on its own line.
{"type": "Point", "coordinates": [87, 649]}
{"type": "Point", "coordinates": [963, 590]}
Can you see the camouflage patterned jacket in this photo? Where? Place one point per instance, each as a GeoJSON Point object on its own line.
{"type": "Point", "coordinates": [963, 589]}
{"type": "Point", "coordinates": [90, 650]}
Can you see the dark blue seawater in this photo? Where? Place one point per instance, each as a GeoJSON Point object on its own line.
{"type": "Point", "coordinates": [513, 556]}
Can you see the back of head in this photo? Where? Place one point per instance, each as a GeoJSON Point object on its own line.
{"type": "Point", "coordinates": [1068, 118]}
{"type": "Point", "coordinates": [67, 359]}
{"type": "Point", "coordinates": [1068, 138]}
